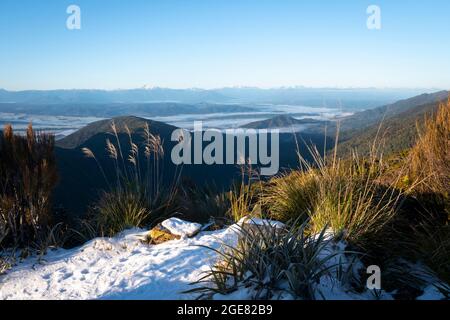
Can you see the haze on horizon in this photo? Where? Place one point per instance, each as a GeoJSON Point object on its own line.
{"type": "Point", "coordinates": [224, 43]}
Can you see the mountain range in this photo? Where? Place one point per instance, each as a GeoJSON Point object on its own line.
{"type": "Point", "coordinates": [108, 110]}
{"type": "Point", "coordinates": [321, 97]}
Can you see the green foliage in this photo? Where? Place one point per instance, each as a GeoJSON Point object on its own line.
{"type": "Point", "coordinates": [6, 263]}
{"type": "Point", "coordinates": [352, 202]}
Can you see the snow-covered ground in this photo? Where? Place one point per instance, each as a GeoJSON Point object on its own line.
{"type": "Point", "coordinates": [124, 267]}
{"type": "Point", "coordinates": [118, 268]}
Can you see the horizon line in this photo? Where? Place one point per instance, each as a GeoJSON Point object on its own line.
{"type": "Point", "coordinates": [229, 87]}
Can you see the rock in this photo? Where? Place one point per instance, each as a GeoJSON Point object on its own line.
{"type": "Point", "coordinates": [173, 229]}
{"type": "Point", "coordinates": [159, 234]}
{"type": "Point", "coordinates": [182, 228]}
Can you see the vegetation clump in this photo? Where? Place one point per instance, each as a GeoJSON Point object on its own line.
{"type": "Point", "coordinates": [137, 196]}
{"type": "Point", "coordinates": [28, 175]}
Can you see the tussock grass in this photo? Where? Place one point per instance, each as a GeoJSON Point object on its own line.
{"type": "Point", "coordinates": [137, 197]}
{"type": "Point", "coordinates": [351, 200]}
{"type": "Point", "coordinates": [429, 160]}
{"type": "Point", "coordinates": [272, 261]}
{"type": "Point", "coordinates": [245, 197]}
{"type": "Point", "coordinates": [120, 209]}
{"type": "Point", "coordinates": [292, 195]}
{"type": "Point", "coordinates": [429, 165]}
{"type": "Point", "coordinates": [345, 195]}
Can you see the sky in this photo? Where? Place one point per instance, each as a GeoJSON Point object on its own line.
{"type": "Point", "coordinates": [223, 43]}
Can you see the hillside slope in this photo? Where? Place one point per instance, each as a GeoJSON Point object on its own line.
{"type": "Point", "coordinates": [396, 133]}
{"type": "Point", "coordinates": [371, 117]}
{"type": "Point", "coordinates": [135, 124]}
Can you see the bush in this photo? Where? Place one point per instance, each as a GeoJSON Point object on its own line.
{"type": "Point", "coordinates": [28, 174]}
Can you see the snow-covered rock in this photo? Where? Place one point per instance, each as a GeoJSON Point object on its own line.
{"type": "Point", "coordinates": [181, 228]}
{"type": "Point", "coordinates": [159, 235]}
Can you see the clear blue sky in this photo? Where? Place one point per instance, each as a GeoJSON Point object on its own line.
{"type": "Point", "coordinates": [216, 43]}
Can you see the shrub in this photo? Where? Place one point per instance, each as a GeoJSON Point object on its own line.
{"type": "Point", "coordinates": [6, 263]}
{"type": "Point", "coordinates": [28, 174]}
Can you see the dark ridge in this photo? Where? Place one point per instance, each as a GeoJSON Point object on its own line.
{"type": "Point", "coordinates": [135, 124]}
{"type": "Point", "coordinates": [281, 121]}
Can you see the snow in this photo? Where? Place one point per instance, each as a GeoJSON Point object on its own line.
{"type": "Point", "coordinates": [261, 222]}
{"type": "Point", "coordinates": [181, 228]}
{"type": "Point", "coordinates": [431, 293]}
{"type": "Point", "coordinates": [116, 268]}
{"type": "Point", "coordinates": [124, 267]}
